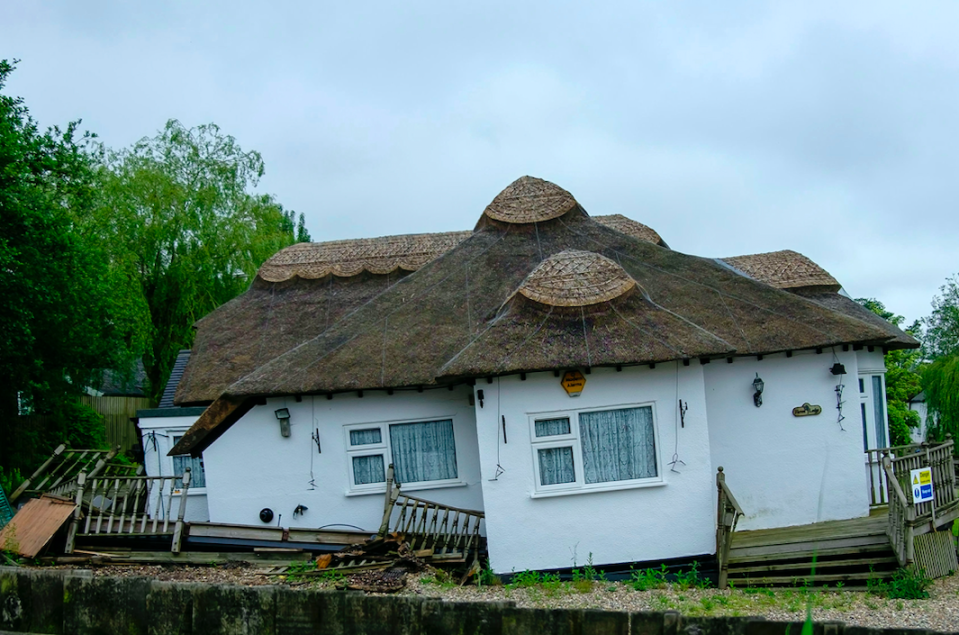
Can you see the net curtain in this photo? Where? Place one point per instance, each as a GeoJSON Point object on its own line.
{"type": "Point", "coordinates": [618, 445]}
{"type": "Point", "coordinates": [423, 451]}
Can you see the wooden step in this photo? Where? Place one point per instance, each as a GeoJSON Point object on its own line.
{"type": "Point", "coordinates": [799, 579]}
{"type": "Point", "coordinates": [857, 544]}
{"type": "Point", "coordinates": [878, 562]}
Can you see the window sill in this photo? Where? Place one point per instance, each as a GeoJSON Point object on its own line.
{"type": "Point", "coordinates": [200, 491]}
{"type": "Point", "coordinates": [413, 487]}
{"type": "Point", "coordinates": [593, 490]}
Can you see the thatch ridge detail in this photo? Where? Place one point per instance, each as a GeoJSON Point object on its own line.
{"type": "Point", "coordinates": [530, 200]}
{"type": "Point", "coordinates": [345, 258]}
{"type": "Point", "coordinates": [576, 278]}
{"type": "Point", "coordinates": [785, 269]}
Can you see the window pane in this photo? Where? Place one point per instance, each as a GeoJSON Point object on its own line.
{"type": "Point", "coordinates": [556, 466]}
{"type": "Point", "coordinates": [366, 437]}
{"type": "Point", "coordinates": [180, 463]}
{"type": "Point", "coordinates": [880, 415]}
{"type": "Point", "coordinates": [552, 427]}
{"type": "Point", "coordinates": [423, 451]}
{"type": "Point", "coordinates": [618, 445]}
{"type": "Point", "coordinates": [368, 469]}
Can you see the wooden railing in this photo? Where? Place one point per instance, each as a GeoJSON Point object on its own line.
{"type": "Point", "coordinates": [728, 512]}
{"type": "Point", "coordinates": [129, 505]}
{"type": "Point", "coordinates": [63, 466]}
{"type": "Point", "coordinates": [445, 531]}
{"type": "Point", "coordinates": [908, 519]}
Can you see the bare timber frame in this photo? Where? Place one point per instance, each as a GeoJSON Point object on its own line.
{"type": "Point", "coordinates": [129, 506]}
{"type": "Point", "coordinates": [59, 473]}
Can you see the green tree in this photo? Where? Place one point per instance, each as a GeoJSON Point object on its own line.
{"type": "Point", "coordinates": [940, 379]}
{"type": "Point", "coordinates": [903, 380]}
{"type": "Point", "coordinates": [942, 327]}
{"type": "Point", "coordinates": [60, 324]}
{"type": "Point", "coordinates": [186, 230]}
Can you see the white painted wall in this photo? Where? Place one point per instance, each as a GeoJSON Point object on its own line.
{"type": "Point", "coordinates": [252, 466]}
{"type": "Point", "coordinates": [787, 470]}
{"type": "Point", "coordinates": [157, 463]}
{"type": "Point", "coordinates": [671, 520]}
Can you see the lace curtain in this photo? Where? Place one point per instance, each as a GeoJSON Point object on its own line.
{"type": "Point", "coordinates": [618, 445]}
{"type": "Point", "coordinates": [366, 437]}
{"type": "Point", "coordinates": [556, 466]}
{"type": "Point", "coordinates": [423, 451]}
{"type": "Point", "coordinates": [368, 469]}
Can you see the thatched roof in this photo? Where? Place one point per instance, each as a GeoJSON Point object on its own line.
{"type": "Point", "coordinates": [576, 278]}
{"type": "Point", "coordinates": [300, 291]}
{"type": "Point", "coordinates": [850, 307]}
{"type": "Point", "coordinates": [469, 313]}
{"type": "Point", "coordinates": [784, 269]}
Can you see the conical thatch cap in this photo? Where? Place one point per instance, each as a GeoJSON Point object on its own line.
{"type": "Point", "coordinates": [576, 278]}
{"type": "Point", "coordinates": [530, 200]}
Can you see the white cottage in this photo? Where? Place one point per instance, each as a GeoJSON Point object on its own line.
{"type": "Point", "coordinates": [571, 376]}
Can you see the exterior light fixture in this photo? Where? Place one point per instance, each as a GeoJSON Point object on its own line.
{"type": "Point", "coordinates": [838, 369]}
{"type": "Point", "coordinates": [758, 386]}
{"type": "Point", "coordinates": [283, 414]}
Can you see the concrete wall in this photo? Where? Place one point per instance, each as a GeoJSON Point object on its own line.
{"type": "Point", "coordinates": [252, 466]}
{"type": "Point", "coordinates": [786, 470]}
{"type": "Point", "coordinates": [74, 602]}
{"type": "Point", "coordinates": [670, 519]}
{"type": "Point", "coordinates": [157, 463]}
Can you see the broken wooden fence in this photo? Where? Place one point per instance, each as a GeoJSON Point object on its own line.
{"type": "Point", "coordinates": [440, 533]}
{"type": "Point", "coordinates": [58, 474]}
{"type": "Point", "coordinates": [907, 519]}
{"type": "Point", "coordinates": [130, 506]}
{"type": "Point", "coordinates": [728, 512]}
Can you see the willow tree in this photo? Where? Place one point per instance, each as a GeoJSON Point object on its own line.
{"type": "Point", "coordinates": [187, 230]}
{"type": "Point", "coordinates": [940, 380]}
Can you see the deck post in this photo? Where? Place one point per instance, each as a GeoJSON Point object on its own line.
{"type": "Point", "coordinates": [388, 504]}
{"type": "Point", "coordinates": [178, 528]}
{"type": "Point", "coordinates": [77, 513]}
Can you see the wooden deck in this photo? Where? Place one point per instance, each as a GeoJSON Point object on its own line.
{"type": "Point", "coordinates": [847, 551]}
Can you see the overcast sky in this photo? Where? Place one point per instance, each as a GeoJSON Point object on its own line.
{"type": "Point", "coordinates": [730, 128]}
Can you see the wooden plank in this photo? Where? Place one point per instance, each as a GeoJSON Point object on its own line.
{"type": "Point", "coordinates": [34, 525]}
{"type": "Point", "coordinates": [798, 580]}
{"type": "Point", "coordinates": [837, 547]}
{"type": "Point", "coordinates": [275, 534]}
{"type": "Point", "coordinates": [188, 557]}
{"type": "Point", "coordinates": [807, 564]}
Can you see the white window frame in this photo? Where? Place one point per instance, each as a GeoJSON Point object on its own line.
{"type": "Point", "coordinates": [868, 398]}
{"type": "Point", "coordinates": [386, 451]}
{"type": "Point", "coordinates": [579, 486]}
{"type": "Point", "coordinates": [174, 436]}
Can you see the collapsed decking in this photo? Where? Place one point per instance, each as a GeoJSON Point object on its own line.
{"type": "Point", "coordinates": [444, 355]}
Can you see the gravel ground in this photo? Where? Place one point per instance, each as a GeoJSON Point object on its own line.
{"type": "Point", "coordinates": [939, 612]}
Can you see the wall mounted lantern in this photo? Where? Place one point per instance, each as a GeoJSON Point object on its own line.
{"type": "Point", "coordinates": [838, 369]}
{"type": "Point", "coordinates": [283, 414]}
{"type": "Point", "coordinates": [758, 386]}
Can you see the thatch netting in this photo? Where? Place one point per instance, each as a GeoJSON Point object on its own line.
{"type": "Point", "coordinates": [460, 316]}
{"type": "Point", "coordinates": [345, 258]}
{"type": "Point", "coordinates": [850, 307]}
{"type": "Point", "coordinates": [530, 200]}
{"type": "Point", "coordinates": [784, 269]}
{"type": "Point", "coordinates": [576, 278]}
{"type": "Point", "coordinates": [265, 322]}
{"type": "Point", "coordinates": [630, 227]}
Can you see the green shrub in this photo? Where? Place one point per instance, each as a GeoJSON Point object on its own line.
{"type": "Point", "coordinates": [692, 578]}
{"type": "Point", "coordinates": [646, 579]}
{"type": "Point", "coordinates": [906, 584]}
